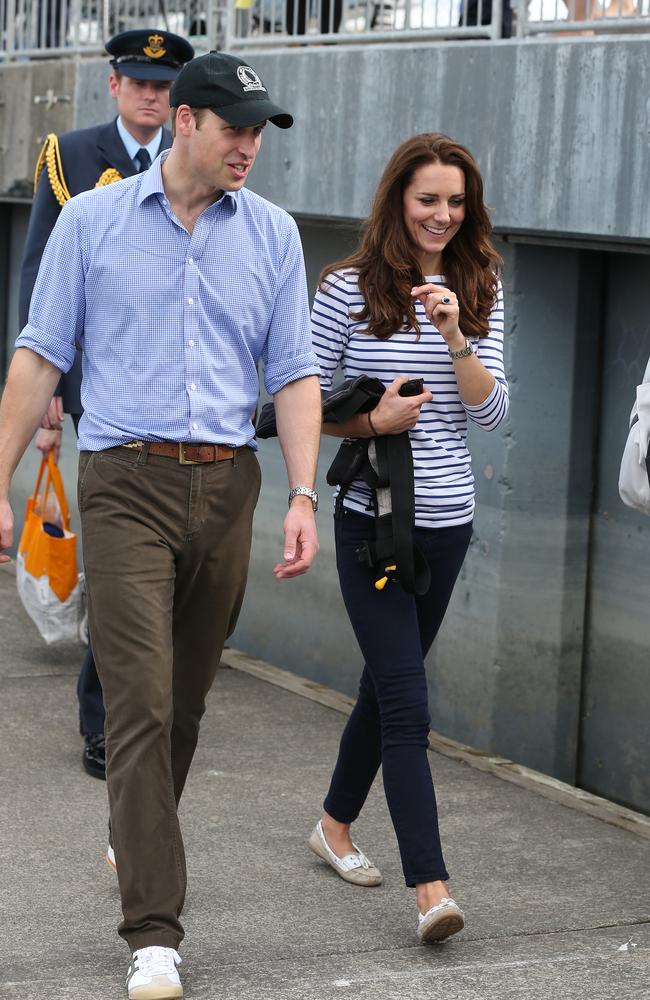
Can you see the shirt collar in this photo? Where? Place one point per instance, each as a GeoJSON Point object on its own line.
{"type": "Point", "coordinates": [151, 183]}
{"type": "Point", "coordinates": [132, 145]}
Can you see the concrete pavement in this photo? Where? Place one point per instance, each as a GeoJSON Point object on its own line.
{"type": "Point", "coordinates": [551, 894]}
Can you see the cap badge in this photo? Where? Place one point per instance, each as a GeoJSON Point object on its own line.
{"type": "Point", "coordinates": [155, 48]}
{"type": "Point", "coordinates": [249, 78]}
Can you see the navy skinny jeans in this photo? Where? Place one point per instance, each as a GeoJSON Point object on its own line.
{"type": "Point", "coordinates": [389, 724]}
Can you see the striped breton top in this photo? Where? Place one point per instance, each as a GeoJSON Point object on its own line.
{"type": "Point", "coordinates": [444, 484]}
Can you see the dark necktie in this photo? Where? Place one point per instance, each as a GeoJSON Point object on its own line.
{"type": "Point", "coordinates": [143, 159]}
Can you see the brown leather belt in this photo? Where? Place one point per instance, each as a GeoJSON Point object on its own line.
{"type": "Point", "coordinates": [186, 454]}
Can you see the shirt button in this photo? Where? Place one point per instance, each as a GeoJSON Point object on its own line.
{"type": "Point", "coordinates": [190, 260]}
{"type": "Point", "coordinates": [195, 427]}
{"type": "Point", "coordinates": [192, 386]}
{"type": "Point", "coordinates": [190, 343]}
{"type": "Point", "coordinates": [190, 302]}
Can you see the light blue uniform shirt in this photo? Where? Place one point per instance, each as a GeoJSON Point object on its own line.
{"type": "Point", "coordinates": [171, 325]}
{"type": "Point", "coordinates": [132, 146]}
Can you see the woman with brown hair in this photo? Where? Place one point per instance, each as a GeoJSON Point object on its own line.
{"type": "Point", "coordinates": [419, 298]}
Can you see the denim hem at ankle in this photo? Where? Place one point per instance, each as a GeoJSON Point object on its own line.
{"type": "Point", "coordinates": [413, 880]}
{"type": "Point", "coordinates": [340, 815]}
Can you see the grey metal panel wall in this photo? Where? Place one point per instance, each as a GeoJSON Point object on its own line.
{"type": "Point", "coordinates": [538, 515]}
{"type": "Point", "coordinates": [615, 747]}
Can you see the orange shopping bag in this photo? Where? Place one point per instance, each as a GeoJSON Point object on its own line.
{"type": "Point", "coordinates": [48, 582]}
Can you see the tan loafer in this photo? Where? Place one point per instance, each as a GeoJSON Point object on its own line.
{"type": "Point", "coordinates": [440, 921]}
{"type": "Point", "coordinates": [354, 868]}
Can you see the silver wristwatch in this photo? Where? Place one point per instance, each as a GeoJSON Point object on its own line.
{"type": "Point", "coordinates": [304, 491]}
{"type": "Point", "coordinates": [464, 353]}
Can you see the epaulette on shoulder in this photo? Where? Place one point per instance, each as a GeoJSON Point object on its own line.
{"type": "Point", "coordinates": [50, 158]}
{"type": "Point", "coordinates": [110, 176]}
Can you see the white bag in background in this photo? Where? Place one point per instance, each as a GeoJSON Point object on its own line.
{"type": "Point", "coordinates": [634, 477]}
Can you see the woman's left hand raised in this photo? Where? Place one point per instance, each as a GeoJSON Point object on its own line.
{"type": "Point", "coordinates": [441, 307]}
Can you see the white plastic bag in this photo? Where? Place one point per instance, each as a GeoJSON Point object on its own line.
{"type": "Point", "coordinates": [57, 621]}
{"type": "Point", "coordinates": [634, 477]}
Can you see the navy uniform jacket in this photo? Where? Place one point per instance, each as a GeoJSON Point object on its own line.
{"type": "Point", "coordinates": [85, 155]}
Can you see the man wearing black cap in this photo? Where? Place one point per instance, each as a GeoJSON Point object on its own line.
{"type": "Point", "coordinates": [144, 65]}
{"type": "Point", "coordinates": [178, 282]}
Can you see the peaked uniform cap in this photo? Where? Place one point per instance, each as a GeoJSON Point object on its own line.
{"type": "Point", "coordinates": [149, 54]}
{"type": "Point", "coordinates": [229, 87]}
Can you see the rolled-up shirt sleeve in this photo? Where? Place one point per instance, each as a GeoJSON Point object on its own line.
{"type": "Point", "coordinates": [57, 308]}
{"type": "Point", "coordinates": [489, 350]}
{"type": "Point", "coordinates": [288, 354]}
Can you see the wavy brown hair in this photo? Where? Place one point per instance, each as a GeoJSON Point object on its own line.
{"type": "Point", "coordinates": [387, 259]}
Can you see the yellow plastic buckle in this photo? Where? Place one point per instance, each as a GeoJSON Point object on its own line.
{"type": "Point", "coordinates": [383, 580]}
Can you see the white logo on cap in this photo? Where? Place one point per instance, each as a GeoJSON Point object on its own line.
{"type": "Point", "coordinates": [250, 79]}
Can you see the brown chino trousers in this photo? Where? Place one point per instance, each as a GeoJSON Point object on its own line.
{"type": "Point", "coordinates": [166, 550]}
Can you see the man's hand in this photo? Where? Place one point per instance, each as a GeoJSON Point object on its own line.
{"type": "Point", "coordinates": [49, 441]}
{"type": "Point", "coordinates": [298, 415]}
{"type": "Point", "coordinates": [53, 419]}
{"type": "Point", "coordinates": [6, 529]}
{"type": "Point", "coordinates": [300, 540]}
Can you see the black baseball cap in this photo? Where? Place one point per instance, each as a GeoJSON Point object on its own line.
{"type": "Point", "coordinates": [149, 54]}
{"type": "Point", "coordinates": [229, 87]}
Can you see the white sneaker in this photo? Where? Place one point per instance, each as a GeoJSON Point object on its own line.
{"type": "Point", "coordinates": [152, 974]}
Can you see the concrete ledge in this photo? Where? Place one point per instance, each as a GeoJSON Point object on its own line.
{"type": "Point", "coordinates": [526, 777]}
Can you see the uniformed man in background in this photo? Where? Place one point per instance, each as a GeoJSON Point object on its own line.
{"type": "Point", "coordinates": [144, 65]}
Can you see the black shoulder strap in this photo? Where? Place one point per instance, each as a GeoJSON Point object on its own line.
{"type": "Point", "coordinates": [395, 468]}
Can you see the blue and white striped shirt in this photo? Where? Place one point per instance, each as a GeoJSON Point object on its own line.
{"type": "Point", "coordinates": [171, 325]}
{"type": "Point", "coordinates": [444, 484]}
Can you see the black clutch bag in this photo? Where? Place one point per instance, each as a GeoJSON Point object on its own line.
{"type": "Point", "coordinates": [356, 395]}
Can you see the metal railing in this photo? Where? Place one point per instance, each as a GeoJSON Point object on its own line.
{"type": "Point", "coordinates": [582, 16]}
{"type": "Point", "coordinates": [47, 28]}
{"type": "Point", "coordinates": [257, 23]}
{"type": "Point", "coordinates": [254, 23]}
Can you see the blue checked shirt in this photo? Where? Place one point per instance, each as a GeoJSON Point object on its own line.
{"type": "Point", "coordinates": [171, 325]}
